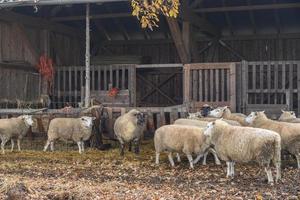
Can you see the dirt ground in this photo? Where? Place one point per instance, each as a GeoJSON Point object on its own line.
{"type": "Point", "coordinates": [105, 175]}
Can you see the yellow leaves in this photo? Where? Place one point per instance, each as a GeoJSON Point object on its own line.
{"type": "Point", "coordinates": [147, 11]}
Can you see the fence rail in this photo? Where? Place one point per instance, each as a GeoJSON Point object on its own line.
{"type": "Point", "coordinates": [69, 81]}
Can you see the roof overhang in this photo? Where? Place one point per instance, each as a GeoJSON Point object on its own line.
{"type": "Point", "coordinates": [14, 3]}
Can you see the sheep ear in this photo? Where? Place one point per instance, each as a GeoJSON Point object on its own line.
{"type": "Point", "coordinates": [263, 111]}
{"type": "Point", "coordinates": [282, 110]}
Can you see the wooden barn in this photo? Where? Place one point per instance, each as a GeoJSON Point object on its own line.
{"type": "Point", "coordinates": [244, 54]}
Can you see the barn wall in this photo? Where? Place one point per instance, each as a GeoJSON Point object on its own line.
{"type": "Point", "coordinates": [249, 49]}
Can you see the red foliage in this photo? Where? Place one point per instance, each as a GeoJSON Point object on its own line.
{"type": "Point", "coordinates": [45, 68]}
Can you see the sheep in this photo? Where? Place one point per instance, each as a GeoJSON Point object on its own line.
{"type": "Point", "coordinates": [195, 115]}
{"type": "Point", "coordinates": [129, 128]}
{"type": "Point", "coordinates": [200, 124]}
{"type": "Point", "coordinates": [225, 113]}
{"type": "Point", "coordinates": [245, 144]}
{"type": "Point", "coordinates": [14, 128]}
{"type": "Point", "coordinates": [289, 132]}
{"type": "Point", "coordinates": [180, 138]}
{"type": "Point", "coordinates": [76, 129]}
{"type": "Point", "coordinates": [289, 116]}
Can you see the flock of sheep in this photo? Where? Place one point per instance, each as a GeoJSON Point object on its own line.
{"type": "Point", "coordinates": [231, 137]}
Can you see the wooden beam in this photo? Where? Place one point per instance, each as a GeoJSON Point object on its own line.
{"type": "Point", "coordinates": [177, 38]}
{"type": "Point", "coordinates": [228, 21]}
{"type": "Point", "coordinates": [252, 7]}
{"type": "Point", "coordinates": [38, 23]}
{"type": "Point", "coordinates": [201, 23]}
{"type": "Point", "coordinates": [277, 19]}
{"type": "Point", "coordinates": [87, 58]}
{"type": "Point", "coordinates": [102, 29]}
{"type": "Point", "coordinates": [252, 18]}
{"type": "Point", "coordinates": [100, 16]}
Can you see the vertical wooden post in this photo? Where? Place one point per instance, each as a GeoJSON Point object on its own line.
{"type": "Point", "coordinates": [87, 58]}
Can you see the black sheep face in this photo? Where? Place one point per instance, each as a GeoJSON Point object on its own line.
{"type": "Point", "coordinates": [140, 119]}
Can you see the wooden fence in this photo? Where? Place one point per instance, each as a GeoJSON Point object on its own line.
{"type": "Point", "coordinates": [70, 80]}
{"type": "Point", "coordinates": [210, 83]}
{"type": "Point", "coordinates": [268, 85]}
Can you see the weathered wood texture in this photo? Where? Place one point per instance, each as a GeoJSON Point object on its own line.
{"type": "Point", "coordinates": [18, 84]}
{"type": "Point", "coordinates": [25, 44]}
{"type": "Point", "coordinates": [251, 49]}
{"type": "Point", "coordinates": [161, 86]}
{"type": "Point", "coordinates": [269, 83]}
{"type": "Point", "coordinates": [70, 80]}
{"type": "Point", "coordinates": [210, 83]}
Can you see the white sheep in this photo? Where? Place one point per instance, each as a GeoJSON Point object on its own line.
{"type": "Point", "coordinates": [180, 138]}
{"type": "Point", "coordinates": [75, 129]}
{"type": "Point", "coordinates": [129, 128]}
{"type": "Point", "coordinates": [289, 132]}
{"type": "Point", "coordinates": [225, 113]}
{"type": "Point", "coordinates": [200, 124]}
{"type": "Point", "coordinates": [14, 128]}
{"type": "Point", "coordinates": [288, 116]}
{"type": "Point", "coordinates": [195, 115]}
{"type": "Point", "coordinates": [245, 144]}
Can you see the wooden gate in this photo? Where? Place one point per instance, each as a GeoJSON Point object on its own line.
{"type": "Point", "coordinates": [70, 81]}
{"type": "Point", "coordinates": [210, 83]}
{"type": "Point", "coordinates": [270, 86]}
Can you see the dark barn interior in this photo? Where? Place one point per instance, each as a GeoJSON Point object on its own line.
{"type": "Point", "coordinates": [243, 53]}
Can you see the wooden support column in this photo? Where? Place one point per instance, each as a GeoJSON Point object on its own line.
{"type": "Point", "coordinates": [87, 58]}
{"type": "Point", "coordinates": [178, 40]}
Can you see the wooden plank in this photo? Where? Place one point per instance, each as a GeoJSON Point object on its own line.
{"type": "Point", "coordinates": [223, 85]}
{"type": "Point", "coordinates": [211, 84]}
{"type": "Point", "coordinates": [123, 111]}
{"type": "Point", "coordinates": [64, 86]}
{"type": "Point", "coordinates": [254, 76]}
{"type": "Point", "coordinates": [150, 121]}
{"type": "Point", "coordinates": [200, 94]}
{"type": "Point", "coordinates": [162, 117]}
{"type": "Point", "coordinates": [98, 68]}
{"type": "Point", "coordinates": [110, 122]}
{"type": "Point", "coordinates": [177, 37]}
{"type": "Point", "coordinates": [206, 84]}
{"type": "Point", "coordinates": [261, 81]}
{"type": "Point", "coordinates": [132, 80]}
{"type": "Point", "coordinates": [232, 91]}
{"type": "Point", "coordinates": [269, 81]}
{"type": "Point", "coordinates": [117, 77]}
{"type": "Point", "coordinates": [217, 86]}
{"type": "Point", "coordinates": [298, 86]}
{"type": "Point", "coordinates": [76, 84]}
{"type": "Point", "coordinates": [111, 75]}
{"type": "Point", "coordinates": [195, 84]}
{"type": "Point", "coordinates": [291, 85]}
{"type": "Point", "coordinates": [244, 86]}
{"type": "Point", "coordinates": [105, 78]}
{"type": "Point", "coordinates": [93, 78]}
{"type": "Point", "coordinates": [70, 83]}
{"type": "Point", "coordinates": [186, 83]}
{"type": "Point", "coordinates": [276, 81]}
{"type": "Point", "coordinates": [151, 66]}
{"type": "Point", "coordinates": [58, 85]}
{"type": "Point", "coordinates": [123, 78]}
{"type": "Point", "coordinates": [158, 120]}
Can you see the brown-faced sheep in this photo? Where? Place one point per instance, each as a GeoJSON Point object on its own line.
{"type": "Point", "coordinates": [14, 128]}
{"type": "Point", "coordinates": [74, 129]}
{"type": "Point", "coordinates": [180, 138]}
{"type": "Point", "coordinates": [289, 132]}
{"type": "Point", "coordinates": [129, 128]}
{"type": "Point", "coordinates": [245, 144]}
{"type": "Point", "coordinates": [288, 116]}
{"type": "Point", "coordinates": [225, 113]}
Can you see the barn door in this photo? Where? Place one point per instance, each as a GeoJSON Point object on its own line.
{"type": "Point", "coordinates": [210, 83]}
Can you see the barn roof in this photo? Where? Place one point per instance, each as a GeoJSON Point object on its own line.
{"type": "Point", "coordinates": [113, 21]}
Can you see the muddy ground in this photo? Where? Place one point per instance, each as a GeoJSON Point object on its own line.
{"type": "Point", "coordinates": [33, 174]}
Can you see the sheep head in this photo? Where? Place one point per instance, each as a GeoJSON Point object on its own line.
{"type": "Point", "coordinates": [195, 115]}
{"type": "Point", "coordinates": [218, 112]}
{"type": "Point", "coordinates": [288, 114]}
{"type": "Point", "coordinates": [140, 117]}
{"type": "Point", "coordinates": [27, 119]}
{"type": "Point", "coordinates": [87, 121]}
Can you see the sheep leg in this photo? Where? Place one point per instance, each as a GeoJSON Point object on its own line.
{"type": "Point", "coordinates": [122, 146]}
{"type": "Point", "coordinates": [204, 158]}
{"type": "Point", "coordinates": [79, 147]}
{"type": "Point", "coordinates": [2, 145]}
{"type": "Point", "coordinates": [198, 158]}
{"type": "Point", "coordinates": [298, 160]}
{"type": "Point", "coordinates": [46, 146]}
{"type": "Point", "coordinates": [19, 144]}
{"type": "Point", "coordinates": [12, 145]}
{"type": "Point", "coordinates": [190, 158]}
{"type": "Point", "coordinates": [130, 146]}
{"type": "Point", "coordinates": [171, 159]}
{"type": "Point", "coordinates": [269, 174]}
{"type": "Point", "coordinates": [82, 146]}
{"type": "Point", "coordinates": [232, 169]}
{"type": "Point", "coordinates": [137, 146]}
{"type": "Point", "coordinates": [178, 157]}
{"type": "Point", "coordinates": [217, 161]}
{"type": "Point", "coordinates": [52, 145]}
{"type": "Point", "coordinates": [157, 158]}
{"type": "Point", "coordinates": [228, 169]}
